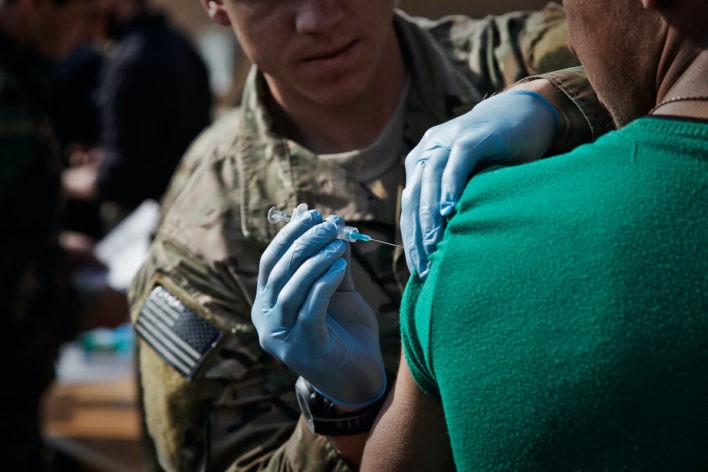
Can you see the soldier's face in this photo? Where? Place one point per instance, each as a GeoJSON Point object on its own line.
{"type": "Point", "coordinates": [325, 52]}
{"type": "Point", "coordinates": [618, 44]}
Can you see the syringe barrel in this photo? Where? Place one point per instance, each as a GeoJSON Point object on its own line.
{"type": "Point", "coordinates": [351, 234]}
{"type": "Point", "coordinates": [345, 233]}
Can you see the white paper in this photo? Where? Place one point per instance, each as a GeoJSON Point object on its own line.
{"type": "Point", "coordinates": [124, 249]}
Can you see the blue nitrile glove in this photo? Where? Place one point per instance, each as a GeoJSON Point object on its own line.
{"type": "Point", "coordinates": [511, 127]}
{"type": "Point", "coordinates": [309, 316]}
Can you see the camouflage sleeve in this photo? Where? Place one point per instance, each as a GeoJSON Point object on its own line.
{"type": "Point", "coordinates": [198, 152]}
{"type": "Point", "coordinates": [212, 399]}
{"type": "Point", "coordinates": [306, 451]}
{"type": "Point", "coordinates": [502, 50]}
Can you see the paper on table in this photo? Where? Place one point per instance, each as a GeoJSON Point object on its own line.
{"type": "Point", "coordinates": [126, 246]}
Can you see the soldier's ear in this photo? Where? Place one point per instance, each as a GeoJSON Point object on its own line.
{"type": "Point", "coordinates": [216, 11]}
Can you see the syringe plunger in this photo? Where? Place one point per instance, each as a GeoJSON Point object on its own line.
{"type": "Point", "coordinates": [275, 216]}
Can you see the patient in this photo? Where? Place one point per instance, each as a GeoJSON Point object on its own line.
{"type": "Point", "coordinates": [563, 324]}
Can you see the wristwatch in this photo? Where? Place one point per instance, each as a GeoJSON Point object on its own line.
{"type": "Point", "coordinates": [323, 418]}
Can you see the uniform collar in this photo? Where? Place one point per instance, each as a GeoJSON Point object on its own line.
{"type": "Point", "coordinates": [277, 171]}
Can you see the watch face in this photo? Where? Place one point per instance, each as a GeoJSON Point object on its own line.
{"type": "Point", "coordinates": [303, 392]}
{"type": "Point", "coordinates": [322, 418]}
{"type": "Point", "coordinates": [311, 401]}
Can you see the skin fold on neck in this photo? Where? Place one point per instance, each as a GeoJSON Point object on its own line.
{"type": "Point", "coordinates": [690, 83]}
{"type": "Point", "coordinates": [683, 69]}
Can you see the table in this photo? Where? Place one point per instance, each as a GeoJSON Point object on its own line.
{"type": "Point", "coordinates": [97, 424]}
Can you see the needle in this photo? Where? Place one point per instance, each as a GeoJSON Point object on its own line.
{"type": "Point", "coordinates": [386, 242]}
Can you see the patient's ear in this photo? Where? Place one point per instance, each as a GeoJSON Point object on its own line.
{"type": "Point", "coordinates": [216, 11]}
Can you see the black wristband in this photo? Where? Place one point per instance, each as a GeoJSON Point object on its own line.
{"type": "Point", "coordinates": [323, 418]}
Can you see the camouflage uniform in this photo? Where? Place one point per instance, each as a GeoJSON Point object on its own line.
{"type": "Point", "coordinates": [38, 311]}
{"type": "Point", "coordinates": [220, 403]}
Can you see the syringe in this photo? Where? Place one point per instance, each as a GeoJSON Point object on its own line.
{"type": "Point", "coordinates": [347, 233]}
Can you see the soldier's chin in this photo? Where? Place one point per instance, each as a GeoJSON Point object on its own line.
{"type": "Point", "coordinates": [339, 93]}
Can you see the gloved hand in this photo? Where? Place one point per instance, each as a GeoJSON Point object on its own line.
{"type": "Point", "coordinates": [511, 127]}
{"type": "Point", "coordinates": [309, 316]}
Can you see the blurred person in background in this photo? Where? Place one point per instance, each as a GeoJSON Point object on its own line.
{"type": "Point", "coordinates": [42, 305]}
{"type": "Point", "coordinates": [74, 90]}
{"type": "Point", "coordinates": [339, 93]}
{"type": "Point", "coordinates": [154, 98]}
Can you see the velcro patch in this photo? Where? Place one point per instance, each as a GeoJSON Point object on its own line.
{"type": "Point", "coordinates": [180, 336]}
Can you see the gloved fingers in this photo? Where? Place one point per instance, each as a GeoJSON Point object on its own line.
{"type": "Point", "coordinates": [282, 241]}
{"type": "Point", "coordinates": [426, 152]}
{"type": "Point", "coordinates": [464, 157]}
{"type": "Point", "coordinates": [267, 318]}
{"type": "Point", "coordinates": [413, 157]}
{"type": "Point", "coordinates": [410, 200]}
{"type": "Point", "coordinates": [483, 144]}
{"type": "Point", "coordinates": [430, 220]}
{"type": "Point", "coordinates": [303, 248]}
{"type": "Point", "coordinates": [297, 289]}
{"type": "Point", "coordinates": [314, 309]}
{"type": "Point", "coordinates": [337, 221]}
{"type": "Point", "coordinates": [410, 227]}
{"type": "Point", "coordinates": [347, 284]}
{"type": "Point", "coordinates": [351, 309]}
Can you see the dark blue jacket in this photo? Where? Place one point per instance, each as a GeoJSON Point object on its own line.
{"type": "Point", "coordinates": [155, 98]}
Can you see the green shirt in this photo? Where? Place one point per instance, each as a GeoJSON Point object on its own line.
{"type": "Point", "coordinates": [564, 323]}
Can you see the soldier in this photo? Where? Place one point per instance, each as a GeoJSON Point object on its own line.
{"type": "Point", "coordinates": [339, 93]}
{"type": "Point", "coordinates": [40, 307]}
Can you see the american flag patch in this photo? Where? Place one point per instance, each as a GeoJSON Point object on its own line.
{"type": "Point", "coordinates": [180, 336]}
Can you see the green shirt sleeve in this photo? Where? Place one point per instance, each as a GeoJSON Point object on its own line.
{"type": "Point", "coordinates": [415, 336]}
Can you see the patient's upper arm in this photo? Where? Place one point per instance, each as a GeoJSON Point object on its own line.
{"type": "Point", "coordinates": [410, 433]}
